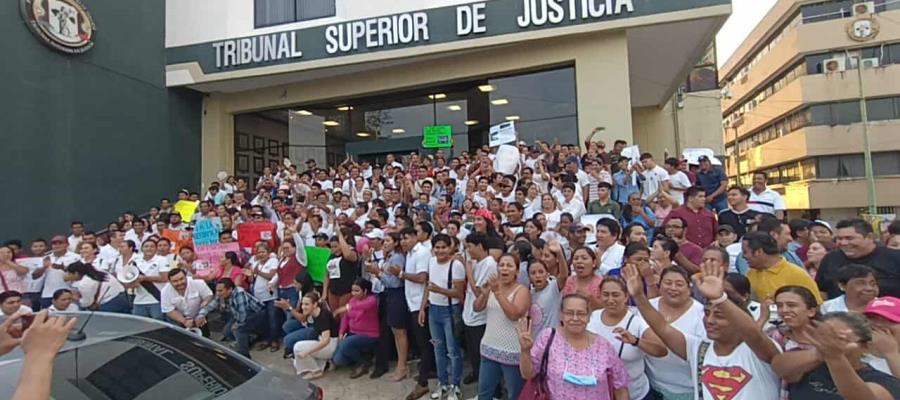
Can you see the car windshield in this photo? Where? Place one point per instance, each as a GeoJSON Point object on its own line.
{"type": "Point", "coordinates": [160, 364]}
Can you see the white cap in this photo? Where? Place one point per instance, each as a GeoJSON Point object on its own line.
{"type": "Point", "coordinates": [375, 234]}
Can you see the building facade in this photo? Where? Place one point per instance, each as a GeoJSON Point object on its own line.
{"type": "Point", "coordinates": [322, 79]}
{"type": "Point", "coordinates": [791, 105]}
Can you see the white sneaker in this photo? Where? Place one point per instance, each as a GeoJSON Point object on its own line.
{"type": "Point", "coordinates": [455, 393]}
{"type": "Point", "coordinates": [440, 392]}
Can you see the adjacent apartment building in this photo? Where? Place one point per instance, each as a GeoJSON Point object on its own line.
{"type": "Point", "coordinates": [791, 105]}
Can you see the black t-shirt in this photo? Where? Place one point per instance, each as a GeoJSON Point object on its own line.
{"type": "Point", "coordinates": [349, 273]}
{"type": "Point", "coordinates": [325, 322]}
{"type": "Point", "coordinates": [738, 221]}
{"type": "Point", "coordinates": [818, 384]}
{"type": "Point", "coordinates": [885, 262]}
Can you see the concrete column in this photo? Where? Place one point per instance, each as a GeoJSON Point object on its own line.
{"type": "Point", "coordinates": [604, 91]}
{"type": "Point", "coordinates": [217, 139]}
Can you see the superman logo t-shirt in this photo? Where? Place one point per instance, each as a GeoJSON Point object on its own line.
{"type": "Point", "coordinates": [736, 376]}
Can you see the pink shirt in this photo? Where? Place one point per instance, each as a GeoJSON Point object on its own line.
{"type": "Point", "coordinates": [362, 318]}
{"type": "Point", "coordinates": [599, 360]}
{"type": "Point", "coordinates": [12, 281]}
{"type": "Point", "coordinates": [571, 287]}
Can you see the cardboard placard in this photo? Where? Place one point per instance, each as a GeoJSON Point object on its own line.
{"type": "Point", "coordinates": [186, 209]}
{"type": "Point", "coordinates": [502, 133]}
{"type": "Point", "coordinates": [317, 262]}
{"type": "Point", "coordinates": [210, 256]}
{"type": "Point", "coordinates": [251, 232]}
{"type": "Point", "coordinates": [179, 239]}
{"type": "Point", "coordinates": [206, 232]}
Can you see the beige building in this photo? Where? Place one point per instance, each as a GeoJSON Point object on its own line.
{"type": "Point", "coordinates": [327, 78]}
{"type": "Point", "coordinates": [791, 105]}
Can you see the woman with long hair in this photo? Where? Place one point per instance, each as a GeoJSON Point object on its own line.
{"type": "Point", "coordinates": [395, 299]}
{"type": "Point", "coordinates": [342, 269]}
{"type": "Point", "coordinates": [12, 275]}
{"type": "Point", "coordinates": [628, 333]}
{"type": "Point", "coordinates": [534, 229]}
{"type": "Point", "coordinates": [817, 251]}
{"type": "Point", "coordinates": [550, 210]}
{"type": "Point", "coordinates": [94, 289]}
{"type": "Point", "coordinates": [263, 268]}
{"type": "Point", "coordinates": [230, 267]}
{"type": "Point", "coordinates": [359, 329]}
{"type": "Point", "coordinates": [308, 353]}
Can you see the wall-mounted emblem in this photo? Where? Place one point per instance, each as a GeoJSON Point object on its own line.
{"type": "Point", "coordinates": [64, 25]}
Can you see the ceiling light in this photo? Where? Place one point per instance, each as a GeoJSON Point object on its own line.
{"type": "Point", "coordinates": [302, 112]}
{"type": "Point", "coordinates": [399, 130]}
{"type": "Point", "coordinates": [345, 108]}
{"type": "Point", "coordinates": [363, 134]}
{"type": "Point", "coordinates": [454, 107]}
{"type": "Point", "coordinates": [471, 122]}
{"type": "Point", "coordinates": [512, 117]}
{"type": "Point", "coordinates": [486, 88]}
{"type": "Point", "coordinates": [500, 102]}
{"type": "Point", "coordinates": [437, 96]}
{"type": "Point", "coordinates": [331, 123]}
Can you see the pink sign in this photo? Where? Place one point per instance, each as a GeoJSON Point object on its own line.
{"type": "Point", "coordinates": [210, 254]}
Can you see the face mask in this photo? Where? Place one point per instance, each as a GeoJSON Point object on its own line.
{"type": "Point", "coordinates": [580, 380]}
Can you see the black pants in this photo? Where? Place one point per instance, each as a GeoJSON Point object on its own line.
{"type": "Point", "coordinates": [422, 338]}
{"type": "Point", "coordinates": [473, 346]}
{"type": "Point", "coordinates": [385, 347]}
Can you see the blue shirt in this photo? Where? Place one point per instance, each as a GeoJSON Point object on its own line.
{"type": "Point", "coordinates": [391, 281]}
{"type": "Point", "coordinates": [711, 180]}
{"type": "Point", "coordinates": [623, 188]}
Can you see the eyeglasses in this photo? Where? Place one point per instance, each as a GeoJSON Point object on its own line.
{"type": "Point", "coordinates": [570, 314]}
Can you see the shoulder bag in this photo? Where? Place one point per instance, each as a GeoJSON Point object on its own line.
{"type": "Point", "coordinates": [536, 388]}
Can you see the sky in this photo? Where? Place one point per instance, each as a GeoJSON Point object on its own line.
{"type": "Point", "coordinates": [745, 15]}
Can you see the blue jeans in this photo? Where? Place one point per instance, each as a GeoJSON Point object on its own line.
{"type": "Point", "coordinates": [295, 332]}
{"type": "Point", "coordinates": [118, 304]}
{"type": "Point", "coordinates": [273, 321]}
{"type": "Point", "coordinates": [353, 349]}
{"type": "Point", "coordinates": [292, 296]}
{"type": "Point", "coordinates": [254, 323]}
{"type": "Point", "coordinates": [148, 310]}
{"type": "Point", "coordinates": [440, 323]}
{"type": "Point", "coordinates": [489, 377]}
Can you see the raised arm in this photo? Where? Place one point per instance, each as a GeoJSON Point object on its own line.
{"type": "Point", "coordinates": [671, 337]}
{"type": "Point", "coordinates": [850, 386]}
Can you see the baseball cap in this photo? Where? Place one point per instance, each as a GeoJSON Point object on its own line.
{"type": "Point", "coordinates": [725, 227]}
{"type": "Point", "coordinates": [522, 143]}
{"type": "Point", "coordinates": [59, 238]}
{"type": "Point", "coordinates": [578, 227]}
{"type": "Point", "coordinates": [887, 307]}
{"type": "Point", "coordinates": [819, 222]}
{"type": "Point", "coordinates": [702, 158]}
{"type": "Point", "coordinates": [375, 234]}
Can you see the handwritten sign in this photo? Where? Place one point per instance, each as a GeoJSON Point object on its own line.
{"type": "Point", "coordinates": [210, 255]}
{"type": "Point", "coordinates": [179, 239]}
{"type": "Point", "coordinates": [502, 133]}
{"type": "Point", "coordinates": [186, 209]}
{"type": "Point", "coordinates": [206, 232]}
{"type": "Point", "coordinates": [251, 232]}
{"type": "Point", "coordinates": [317, 262]}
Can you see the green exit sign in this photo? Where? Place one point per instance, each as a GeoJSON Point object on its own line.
{"type": "Point", "coordinates": [437, 136]}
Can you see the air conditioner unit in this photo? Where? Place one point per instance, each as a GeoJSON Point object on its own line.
{"type": "Point", "coordinates": [837, 64]}
{"type": "Point", "coordinates": [869, 63]}
{"type": "Point", "coordinates": [863, 8]}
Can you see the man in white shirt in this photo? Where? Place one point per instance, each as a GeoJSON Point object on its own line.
{"type": "Point", "coordinates": [655, 179]}
{"type": "Point", "coordinates": [415, 274]}
{"type": "Point", "coordinates": [763, 199]}
{"type": "Point", "coordinates": [479, 269]}
{"type": "Point", "coordinates": [182, 299]}
{"type": "Point", "coordinates": [609, 251]}
{"type": "Point", "coordinates": [571, 203]}
{"type": "Point", "coordinates": [110, 251]}
{"type": "Point", "coordinates": [11, 303]}
{"type": "Point", "coordinates": [59, 258]}
{"type": "Point", "coordinates": [148, 285]}
{"type": "Point", "coordinates": [138, 233]}
{"type": "Point", "coordinates": [678, 182]}
{"type": "Point", "coordinates": [77, 235]}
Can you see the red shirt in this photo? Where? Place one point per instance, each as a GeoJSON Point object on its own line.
{"type": "Point", "coordinates": [701, 226]}
{"type": "Point", "coordinates": [288, 271]}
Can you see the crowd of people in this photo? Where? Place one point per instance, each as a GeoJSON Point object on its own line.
{"type": "Point", "coordinates": [577, 274]}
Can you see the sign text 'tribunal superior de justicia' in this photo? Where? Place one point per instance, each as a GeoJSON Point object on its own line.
{"type": "Point", "coordinates": [414, 28]}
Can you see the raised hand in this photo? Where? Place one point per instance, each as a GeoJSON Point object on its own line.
{"type": "Point", "coordinates": [828, 340]}
{"type": "Point", "coordinates": [633, 280]}
{"type": "Point", "coordinates": [8, 341]}
{"type": "Point", "coordinates": [526, 341]}
{"type": "Point", "coordinates": [883, 343]}
{"type": "Point", "coordinates": [711, 284]}
{"type": "Point", "coordinates": [46, 335]}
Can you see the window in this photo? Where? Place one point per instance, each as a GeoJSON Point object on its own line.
{"type": "Point", "coordinates": [880, 109]}
{"type": "Point", "coordinates": [845, 113]}
{"type": "Point", "coordinates": [886, 163]}
{"type": "Point", "coordinates": [277, 12]}
{"type": "Point", "coordinates": [705, 75]}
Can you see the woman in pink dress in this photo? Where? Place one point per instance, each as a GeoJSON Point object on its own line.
{"type": "Point", "coordinates": [12, 275]}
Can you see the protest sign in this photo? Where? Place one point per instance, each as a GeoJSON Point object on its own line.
{"type": "Point", "coordinates": [206, 232]}
{"type": "Point", "coordinates": [186, 209]}
{"type": "Point", "coordinates": [179, 239]}
{"type": "Point", "coordinates": [210, 255]}
{"type": "Point", "coordinates": [437, 136]}
{"type": "Point", "coordinates": [693, 154]}
{"type": "Point", "coordinates": [317, 262]}
{"type": "Point", "coordinates": [251, 232]}
{"type": "Point", "coordinates": [502, 133]}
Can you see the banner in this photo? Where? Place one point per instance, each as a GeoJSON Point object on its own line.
{"type": "Point", "coordinates": [186, 209]}
{"type": "Point", "coordinates": [210, 255]}
{"type": "Point", "coordinates": [179, 239]}
{"type": "Point", "coordinates": [251, 232]}
{"type": "Point", "coordinates": [317, 261]}
{"type": "Point", "coordinates": [692, 156]}
{"type": "Point", "coordinates": [206, 232]}
{"type": "Point", "coordinates": [502, 133]}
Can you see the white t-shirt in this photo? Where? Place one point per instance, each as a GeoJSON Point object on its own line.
{"type": "Point", "coordinates": [54, 277]}
{"type": "Point", "coordinates": [23, 310]}
{"type": "Point", "coordinates": [611, 259]}
{"type": "Point", "coordinates": [261, 284]}
{"type": "Point", "coordinates": [736, 376]}
{"type": "Point", "coordinates": [438, 274]}
{"type": "Point", "coordinates": [189, 304]}
{"type": "Point", "coordinates": [88, 287]}
{"type": "Point", "coordinates": [552, 218]}
{"type": "Point", "coordinates": [152, 268]}
{"type": "Point", "coordinates": [108, 252]}
{"type": "Point", "coordinates": [653, 178]}
{"type": "Point", "coordinates": [837, 304]}
{"type": "Point", "coordinates": [72, 307]}
{"type": "Point", "coordinates": [574, 207]}
{"type": "Point", "coordinates": [632, 356]}
{"type": "Point", "coordinates": [768, 201]}
{"type": "Point", "coordinates": [483, 271]}
{"type": "Point", "coordinates": [671, 373]}
{"type": "Point", "coordinates": [416, 262]}
{"type": "Point", "coordinates": [678, 184]}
